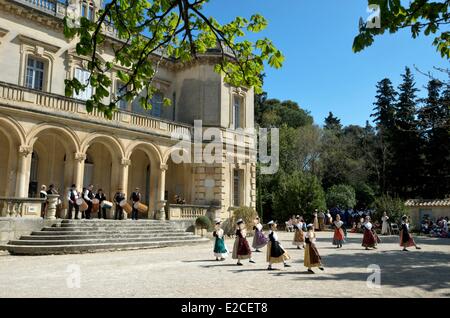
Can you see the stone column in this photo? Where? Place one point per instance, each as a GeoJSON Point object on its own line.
{"type": "Point", "coordinates": [52, 200]}
{"type": "Point", "coordinates": [78, 173]}
{"type": "Point", "coordinates": [123, 178]}
{"type": "Point", "coordinates": [23, 171]}
{"type": "Point", "coordinates": [161, 215]}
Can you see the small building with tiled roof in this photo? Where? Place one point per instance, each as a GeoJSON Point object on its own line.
{"type": "Point", "coordinates": [418, 208]}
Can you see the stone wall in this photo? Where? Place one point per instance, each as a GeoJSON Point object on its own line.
{"type": "Point", "coordinates": [14, 228]}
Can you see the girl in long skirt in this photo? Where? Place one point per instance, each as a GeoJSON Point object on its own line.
{"type": "Point", "coordinates": [312, 257]}
{"type": "Point", "coordinates": [275, 252]}
{"type": "Point", "coordinates": [220, 250]}
{"type": "Point", "coordinates": [316, 220]}
{"type": "Point", "coordinates": [370, 238]}
{"type": "Point", "coordinates": [406, 240]}
{"type": "Point", "coordinates": [385, 229]}
{"type": "Point", "coordinates": [241, 248]}
{"type": "Point", "coordinates": [259, 239]}
{"type": "Point", "coordinates": [339, 234]}
{"type": "Point", "coordinates": [299, 236]}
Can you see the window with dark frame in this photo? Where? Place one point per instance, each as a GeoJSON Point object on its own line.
{"type": "Point", "coordinates": [34, 77]}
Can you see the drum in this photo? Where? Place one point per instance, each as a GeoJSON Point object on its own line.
{"type": "Point", "coordinates": [107, 204]}
{"type": "Point", "coordinates": [95, 205]}
{"type": "Point", "coordinates": [126, 206]}
{"type": "Point", "coordinates": [83, 206]}
{"type": "Point", "coordinates": [142, 208]}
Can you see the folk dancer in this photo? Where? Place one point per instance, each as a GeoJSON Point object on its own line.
{"type": "Point", "coordinates": [316, 220]}
{"type": "Point", "coordinates": [135, 197]}
{"type": "Point", "coordinates": [339, 232]}
{"type": "Point", "coordinates": [119, 197]}
{"type": "Point", "coordinates": [299, 236]}
{"type": "Point", "coordinates": [72, 197]}
{"type": "Point", "coordinates": [321, 217]}
{"type": "Point", "coordinates": [275, 252]}
{"type": "Point", "coordinates": [312, 257]}
{"type": "Point", "coordinates": [259, 239]}
{"type": "Point", "coordinates": [385, 229]}
{"type": "Point", "coordinates": [241, 248]}
{"type": "Point", "coordinates": [88, 195]}
{"type": "Point", "coordinates": [406, 240]}
{"type": "Point", "coordinates": [220, 250]}
{"type": "Point", "coordinates": [43, 195]}
{"type": "Point", "coordinates": [370, 238]}
{"type": "Point", "coordinates": [100, 196]}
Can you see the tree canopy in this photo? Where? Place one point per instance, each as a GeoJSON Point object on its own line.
{"type": "Point", "coordinates": [151, 30]}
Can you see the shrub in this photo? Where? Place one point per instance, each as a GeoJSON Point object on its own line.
{"type": "Point", "coordinates": [341, 196]}
{"type": "Point", "coordinates": [203, 222]}
{"type": "Point", "coordinates": [394, 207]}
{"type": "Point", "coordinates": [247, 214]}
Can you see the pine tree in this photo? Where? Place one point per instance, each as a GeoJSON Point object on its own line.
{"type": "Point", "coordinates": [384, 118]}
{"type": "Point", "coordinates": [332, 122]}
{"type": "Point", "coordinates": [405, 140]}
{"type": "Point", "coordinates": [434, 118]}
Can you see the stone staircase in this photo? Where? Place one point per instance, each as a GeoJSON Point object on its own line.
{"type": "Point", "coordinates": [84, 236]}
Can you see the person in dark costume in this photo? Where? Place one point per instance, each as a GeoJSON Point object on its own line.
{"type": "Point", "coordinates": [118, 197]}
{"type": "Point", "coordinates": [88, 195]}
{"type": "Point", "coordinates": [135, 197]}
{"type": "Point", "coordinates": [312, 257]}
{"type": "Point", "coordinates": [275, 252]}
{"type": "Point", "coordinates": [72, 197]}
{"type": "Point", "coordinates": [370, 238]}
{"type": "Point", "coordinates": [220, 250]}
{"type": "Point", "coordinates": [43, 195]}
{"type": "Point", "coordinates": [100, 196]}
{"type": "Point", "coordinates": [259, 239]}
{"type": "Point", "coordinates": [241, 248]}
{"type": "Point", "coordinates": [406, 240]}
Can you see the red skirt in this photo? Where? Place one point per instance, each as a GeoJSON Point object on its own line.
{"type": "Point", "coordinates": [369, 239]}
{"type": "Point", "coordinates": [408, 243]}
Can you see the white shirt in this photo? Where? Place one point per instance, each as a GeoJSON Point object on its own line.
{"type": "Point", "coordinates": [86, 197]}
{"type": "Point", "coordinates": [338, 224]}
{"type": "Point", "coordinates": [311, 238]}
{"type": "Point", "coordinates": [368, 225]}
{"type": "Point", "coordinates": [75, 193]}
{"type": "Point", "coordinates": [219, 233]}
{"type": "Point", "coordinates": [259, 226]}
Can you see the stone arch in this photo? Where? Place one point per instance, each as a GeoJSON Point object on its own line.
{"type": "Point", "coordinates": [111, 142]}
{"type": "Point", "coordinates": [72, 137]}
{"type": "Point", "coordinates": [169, 151]}
{"type": "Point", "coordinates": [10, 125]}
{"type": "Point", "coordinates": [149, 148]}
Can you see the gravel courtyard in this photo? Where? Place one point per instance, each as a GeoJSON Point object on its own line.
{"type": "Point", "coordinates": [191, 271]}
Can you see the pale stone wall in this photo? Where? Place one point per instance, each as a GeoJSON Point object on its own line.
{"type": "Point", "coordinates": [416, 213]}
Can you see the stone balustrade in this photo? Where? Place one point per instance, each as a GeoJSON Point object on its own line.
{"type": "Point", "coordinates": [29, 99]}
{"type": "Point", "coordinates": [20, 207]}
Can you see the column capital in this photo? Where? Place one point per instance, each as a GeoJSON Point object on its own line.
{"type": "Point", "coordinates": [125, 162]}
{"type": "Point", "coordinates": [164, 166]}
{"type": "Point", "coordinates": [25, 150]}
{"type": "Point", "coordinates": [79, 156]}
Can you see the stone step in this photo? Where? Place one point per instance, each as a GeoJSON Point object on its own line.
{"type": "Point", "coordinates": [99, 247]}
{"type": "Point", "coordinates": [114, 223]}
{"type": "Point", "coordinates": [97, 241]}
{"type": "Point", "coordinates": [117, 231]}
{"type": "Point", "coordinates": [106, 228]}
{"type": "Point", "coordinates": [102, 236]}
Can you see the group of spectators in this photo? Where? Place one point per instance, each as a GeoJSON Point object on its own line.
{"type": "Point", "coordinates": [437, 228]}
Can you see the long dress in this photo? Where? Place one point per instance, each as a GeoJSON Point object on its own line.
{"type": "Point", "coordinates": [220, 250]}
{"type": "Point", "coordinates": [259, 239]}
{"type": "Point", "coordinates": [299, 236]}
{"type": "Point", "coordinates": [241, 249]}
{"type": "Point", "coordinates": [316, 222]}
{"type": "Point", "coordinates": [385, 225]}
{"type": "Point", "coordinates": [369, 238]}
{"type": "Point", "coordinates": [406, 240]}
{"type": "Point", "coordinates": [312, 257]}
{"type": "Point", "coordinates": [275, 252]}
{"type": "Point", "coordinates": [339, 235]}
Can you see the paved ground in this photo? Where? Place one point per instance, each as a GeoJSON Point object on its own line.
{"type": "Point", "coordinates": [192, 272]}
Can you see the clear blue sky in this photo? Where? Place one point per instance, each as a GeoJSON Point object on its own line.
{"type": "Point", "coordinates": [321, 72]}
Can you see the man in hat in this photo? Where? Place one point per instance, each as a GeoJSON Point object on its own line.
{"type": "Point", "coordinates": [72, 197]}
{"type": "Point", "coordinates": [119, 197]}
{"type": "Point", "coordinates": [135, 197]}
{"type": "Point", "coordinates": [43, 195]}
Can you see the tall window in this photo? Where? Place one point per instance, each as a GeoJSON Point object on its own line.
{"type": "Point", "coordinates": [34, 77]}
{"type": "Point", "coordinates": [156, 101]}
{"type": "Point", "coordinates": [121, 90]}
{"type": "Point", "coordinates": [236, 188]}
{"type": "Point", "coordinates": [83, 76]}
{"type": "Point", "coordinates": [238, 118]}
{"type": "Point", "coordinates": [87, 10]}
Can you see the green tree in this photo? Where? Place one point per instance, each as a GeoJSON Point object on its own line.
{"type": "Point", "coordinates": [332, 122]}
{"type": "Point", "coordinates": [341, 196]}
{"type": "Point", "coordinates": [148, 31]}
{"type": "Point", "coordinates": [419, 16]}
{"type": "Point", "coordinates": [394, 207]}
{"type": "Point", "coordinates": [298, 193]}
